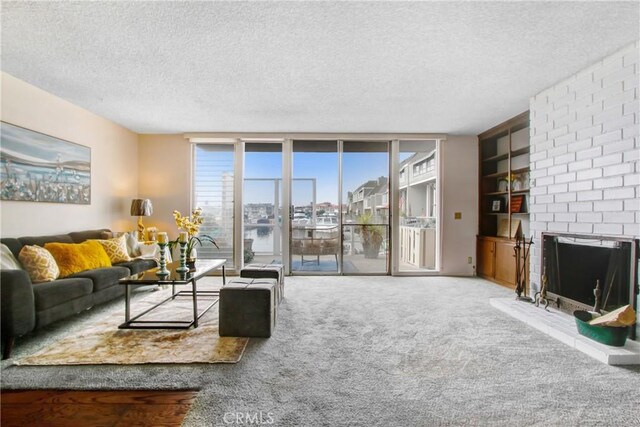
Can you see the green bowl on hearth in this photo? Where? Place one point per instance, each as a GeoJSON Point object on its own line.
{"type": "Point", "coordinates": [610, 335]}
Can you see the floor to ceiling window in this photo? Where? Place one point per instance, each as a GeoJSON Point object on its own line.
{"type": "Point", "coordinates": [213, 191]}
{"type": "Point", "coordinates": [365, 213]}
{"type": "Point", "coordinates": [416, 184]}
{"type": "Point", "coordinates": [262, 202]}
{"type": "Point", "coordinates": [315, 230]}
{"type": "Point", "coordinates": [321, 206]}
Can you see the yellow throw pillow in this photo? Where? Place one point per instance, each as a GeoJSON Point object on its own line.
{"type": "Point", "coordinates": [76, 257]}
{"type": "Point", "coordinates": [116, 249]}
{"type": "Point", "coordinates": [95, 255]}
{"type": "Point", "coordinates": [39, 263]}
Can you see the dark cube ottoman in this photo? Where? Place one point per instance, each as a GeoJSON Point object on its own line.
{"type": "Point", "coordinates": [267, 271]}
{"type": "Point", "coordinates": [247, 308]}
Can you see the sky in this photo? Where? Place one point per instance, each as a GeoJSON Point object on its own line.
{"type": "Point", "coordinates": [357, 169]}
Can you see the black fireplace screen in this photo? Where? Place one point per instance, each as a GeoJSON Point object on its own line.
{"type": "Point", "coordinates": [574, 265]}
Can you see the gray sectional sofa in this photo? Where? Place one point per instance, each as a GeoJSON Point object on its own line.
{"type": "Point", "coordinates": [26, 307]}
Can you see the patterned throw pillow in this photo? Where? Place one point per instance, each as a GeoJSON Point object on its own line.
{"type": "Point", "coordinates": [76, 257]}
{"type": "Point", "coordinates": [39, 263]}
{"type": "Point", "coordinates": [132, 241]}
{"type": "Point", "coordinates": [116, 249]}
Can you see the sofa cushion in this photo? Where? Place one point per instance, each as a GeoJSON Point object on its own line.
{"type": "Point", "coordinates": [116, 248]}
{"type": "Point", "coordinates": [138, 265]}
{"type": "Point", "coordinates": [104, 277]}
{"type": "Point", "coordinates": [41, 240]}
{"type": "Point", "coordinates": [60, 291]}
{"type": "Point", "coordinates": [81, 236]}
{"type": "Point", "coordinates": [13, 244]}
{"type": "Point", "coordinates": [39, 263]}
{"type": "Point", "coordinates": [75, 257]}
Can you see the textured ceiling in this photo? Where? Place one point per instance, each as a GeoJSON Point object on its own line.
{"type": "Point", "coordinates": [171, 67]}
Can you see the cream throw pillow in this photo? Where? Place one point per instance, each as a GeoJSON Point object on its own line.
{"type": "Point", "coordinates": [116, 249]}
{"type": "Point", "coordinates": [39, 263]}
{"type": "Point", "coordinates": [132, 241]}
{"type": "Point", "coordinates": [132, 244]}
{"type": "Point", "coordinates": [7, 260]}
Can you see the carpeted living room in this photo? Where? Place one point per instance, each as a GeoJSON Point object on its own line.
{"type": "Point", "coordinates": [320, 213]}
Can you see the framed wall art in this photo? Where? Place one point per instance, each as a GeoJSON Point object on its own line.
{"type": "Point", "coordinates": [40, 168]}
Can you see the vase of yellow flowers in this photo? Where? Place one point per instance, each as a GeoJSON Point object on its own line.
{"type": "Point", "coordinates": [190, 227]}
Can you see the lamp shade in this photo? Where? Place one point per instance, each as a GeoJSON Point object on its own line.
{"type": "Point", "coordinates": [141, 207]}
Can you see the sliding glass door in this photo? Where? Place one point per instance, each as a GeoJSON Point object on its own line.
{"type": "Point", "coordinates": [417, 189]}
{"type": "Point", "coordinates": [365, 213]}
{"type": "Point", "coordinates": [262, 203]}
{"type": "Point", "coordinates": [315, 231]}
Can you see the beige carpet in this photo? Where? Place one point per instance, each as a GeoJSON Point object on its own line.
{"type": "Point", "coordinates": [103, 343]}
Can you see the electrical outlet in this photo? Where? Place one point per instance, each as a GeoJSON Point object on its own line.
{"type": "Point", "coordinates": [469, 260]}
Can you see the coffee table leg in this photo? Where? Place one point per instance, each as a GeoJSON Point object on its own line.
{"type": "Point", "coordinates": [224, 277]}
{"type": "Point", "coordinates": [195, 304]}
{"type": "Point", "coordinates": [127, 304]}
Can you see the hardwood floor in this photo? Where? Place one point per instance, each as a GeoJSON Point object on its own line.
{"type": "Point", "coordinates": [94, 408]}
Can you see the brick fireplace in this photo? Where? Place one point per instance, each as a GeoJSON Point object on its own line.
{"type": "Point", "coordinates": [574, 266]}
{"type": "Point", "coordinates": [585, 154]}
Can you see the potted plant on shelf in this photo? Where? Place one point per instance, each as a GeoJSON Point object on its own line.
{"type": "Point", "coordinates": [372, 236]}
{"type": "Point", "coordinates": [191, 225]}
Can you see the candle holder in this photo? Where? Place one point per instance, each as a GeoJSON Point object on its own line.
{"type": "Point", "coordinates": [163, 261]}
{"type": "Point", "coordinates": [183, 258]}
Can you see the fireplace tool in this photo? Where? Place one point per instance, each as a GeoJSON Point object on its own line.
{"type": "Point", "coordinates": [606, 300]}
{"type": "Point", "coordinates": [596, 293]}
{"type": "Point", "coordinates": [541, 297]}
{"type": "Point", "coordinates": [524, 248]}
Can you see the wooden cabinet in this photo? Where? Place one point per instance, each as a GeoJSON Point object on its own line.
{"type": "Point", "coordinates": [503, 197]}
{"type": "Point", "coordinates": [486, 257]}
{"type": "Point", "coordinates": [505, 272]}
{"type": "Point", "coordinates": [497, 260]}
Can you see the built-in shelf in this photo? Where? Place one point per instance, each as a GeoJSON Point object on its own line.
{"type": "Point", "coordinates": [496, 158]}
{"type": "Point", "coordinates": [520, 152]}
{"type": "Point", "coordinates": [495, 175]}
{"type": "Point", "coordinates": [503, 154]}
{"type": "Point", "coordinates": [521, 170]}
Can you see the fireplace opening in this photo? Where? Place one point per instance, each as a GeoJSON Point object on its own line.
{"type": "Point", "coordinates": [572, 265]}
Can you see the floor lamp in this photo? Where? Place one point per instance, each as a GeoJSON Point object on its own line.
{"type": "Point", "coordinates": [140, 208]}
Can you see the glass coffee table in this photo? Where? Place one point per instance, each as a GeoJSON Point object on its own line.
{"type": "Point", "coordinates": [175, 279]}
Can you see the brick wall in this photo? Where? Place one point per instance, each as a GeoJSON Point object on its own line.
{"type": "Point", "coordinates": [585, 153]}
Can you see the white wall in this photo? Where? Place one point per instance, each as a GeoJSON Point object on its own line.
{"type": "Point", "coordinates": [459, 194]}
{"type": "Point", "coordinates": [114, 158]}
{"type": "Point", "coordinates": [585, 153]}
{"type": "Point", "coordinates": [164, 167]}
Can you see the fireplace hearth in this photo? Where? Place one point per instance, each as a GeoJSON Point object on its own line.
{"type": "Point", "coordinates": [574, 265]}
